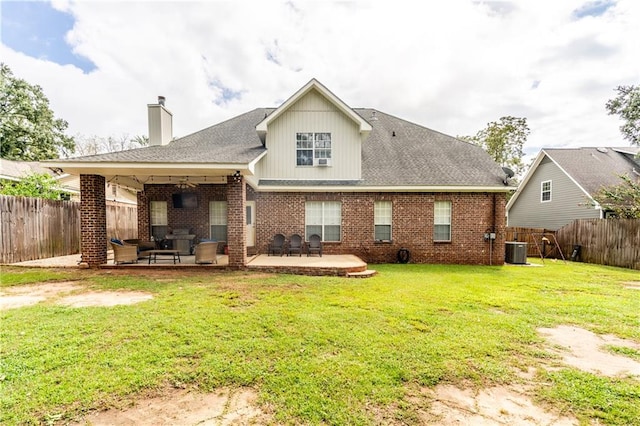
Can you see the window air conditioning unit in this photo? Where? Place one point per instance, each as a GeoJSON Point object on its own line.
{"type": "Point", "coordinates": [323, 162]}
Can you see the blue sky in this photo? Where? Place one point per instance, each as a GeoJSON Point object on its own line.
{"type": "Point", "coordinates": [451, 66]}
{"type": "Point", "coordinates": [38, 30]}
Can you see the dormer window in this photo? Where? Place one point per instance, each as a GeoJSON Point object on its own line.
{"type": "Point", "coordinates": [313, 149]}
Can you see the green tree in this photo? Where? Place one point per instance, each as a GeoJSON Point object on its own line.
{"type": "Point", "coordinates": [623, 199]}
{"type": "Point", "coordinates": [28, 129]}
{"type": "Point", "coordinates": [504, 141]}
{"type": "Point", "coordinates": [37, 185]}
{"type": "Point", "coordinates": [627, 106]}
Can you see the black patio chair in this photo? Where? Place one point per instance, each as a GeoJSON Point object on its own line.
{"type": "Point", "coordinates": [295, 245]}
{"type": "Point", "coordinates": [276, 245]}
{"type": "Point", "coordinates": [314, 245]}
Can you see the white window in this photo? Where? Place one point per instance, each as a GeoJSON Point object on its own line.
{"type": "Point", "coordinates": [158, 219]}
{"type": "Point", "coordinates": [218, 220]}
{"type": "Point", "coordinates": [442, 221]}
{"type": "Point", "coordinates": [313, 149]}
{"type": "Point", "coordinates": [545, 191]}
{"type": "Point", "coordinates": [323, 218]}
{"type": "Point", "coordinates": [382, 220]}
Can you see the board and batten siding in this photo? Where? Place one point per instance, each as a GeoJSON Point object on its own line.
{"type": "Point", "coordinates": [568, 201]}
{"type": "Point", "coordinates": [312, 113]}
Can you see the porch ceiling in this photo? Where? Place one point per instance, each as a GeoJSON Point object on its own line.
{"type": "Point", "coordinates": [135, 175]}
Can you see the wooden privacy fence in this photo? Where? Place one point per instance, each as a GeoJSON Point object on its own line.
{"type": "Point", "coordinates": [527, 235]}
{"type": "Point", "coordinates": [35, 228]}
{"type": "Point", "coordinates": [614, 242]}
{"type": "Point", "coordinates": [122, 221]}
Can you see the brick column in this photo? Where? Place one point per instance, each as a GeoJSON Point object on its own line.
{"type": "Point", "coordinates": [144, 228]}
{"type": "Point", "coordinates": [236, 223]}
{"type": "Point", "coordinates": [93, 220]}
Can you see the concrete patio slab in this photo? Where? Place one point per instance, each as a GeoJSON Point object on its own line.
{"type": "Point", "coordinates": [334, 265]}
{"type": "Point", "coordinates": [337, 265]}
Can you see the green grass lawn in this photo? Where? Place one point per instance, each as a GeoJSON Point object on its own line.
{"type": "Point", "coordinates": [319, 350]}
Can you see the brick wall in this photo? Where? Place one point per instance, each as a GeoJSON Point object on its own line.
{"type": "Point", "coordinates": [93, 220]}
{"type": "Point", "coordinates": [194, 219]}
{"type": "Point", "coordinates": [472, 215]}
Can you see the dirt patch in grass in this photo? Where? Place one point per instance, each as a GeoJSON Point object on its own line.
{"type": "Point", "coordinates": [585, 350]}
{"type": "Point", "coordinates": [67, 293]}
{"type": "Point", "coordinates": [104, 298]}
{"type": "Point", "coordinates": [498, 405]}
{"type": "Point", "coordinates": [632, 285]}
{"type": "Point", "coordinates": [183, 407]}
{"type": "Point", "coordinates": [579, 348]}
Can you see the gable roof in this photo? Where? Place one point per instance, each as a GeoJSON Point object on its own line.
{"type": "Point", "coordinates": [589, 168]}
{"type": "Point", "coordinates": [397, 156]}
{"type": "Point", "coordinates": [403, 156]}
{"type": "Point", "coordinates": [314, 84]}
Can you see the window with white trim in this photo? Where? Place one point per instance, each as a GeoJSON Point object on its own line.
{"type": "Point", "coordinates": [313, 149]}
{"type": "Point", "coordinates": [545, 191]}
{"type": "Point", "coordinates": [218, 220]}
{"type": "Point", "coordinates": [442, 221]}
{"type": "Point", "coordinates": [158, 219]}
{"type": "Point", "coordinates": [323, 218]}
{"type": "Point", "coordinates": [382, 220]}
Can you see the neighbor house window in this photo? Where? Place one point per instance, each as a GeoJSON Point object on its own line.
{"type": "Point", "coordinates": [323, 218]}
{"type": "Point", "coordinates": [545, 191]}
{"type": "Point", "coordinates": [158, 219]}
{"type": "Point", "coordinates": [313, 149]}
{"type": "Point", "coordinates": [442, 221]}
{"type": "Point", "coordinates": [382, 220]}
{"type": "Point", "coordinates": [218, 220]}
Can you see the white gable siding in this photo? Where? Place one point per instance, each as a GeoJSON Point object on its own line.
{"type": "Point", "coordinates": [567, 201]}
{"type": "Point", "coordinates": [312, 113]}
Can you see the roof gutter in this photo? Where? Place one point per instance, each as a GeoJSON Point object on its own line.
{"type": "Point", "coordinates": [371, 188]}
{"type": "Point", "coordinates": [136, 168]}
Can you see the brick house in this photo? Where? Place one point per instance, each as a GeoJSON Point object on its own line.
{"type": "Point", "coordinates": [367, 182]}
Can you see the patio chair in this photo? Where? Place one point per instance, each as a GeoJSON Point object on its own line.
{"type": "Point", "coordinates": [206, 252]}
{"type": "Point", "coordinates": [314, 245]}
{"type": "Point", "coordinates": [276, 245]}
{"type": "Point", "coordinates": [124, 253]}
{"type": "Point", "coordinates": [295, 245]}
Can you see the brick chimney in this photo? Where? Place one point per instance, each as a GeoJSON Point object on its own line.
{"type": "Point", "coordinates": [160, 123]}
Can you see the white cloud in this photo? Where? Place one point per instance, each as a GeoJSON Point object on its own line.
{"type": "Point", "coordinates": [451, 66]}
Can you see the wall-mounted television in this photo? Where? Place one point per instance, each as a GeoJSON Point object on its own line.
{"type": "Point", "coordinates": [185, 200]}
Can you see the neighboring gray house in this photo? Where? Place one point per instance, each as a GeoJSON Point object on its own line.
{"type": "Point", "coordinates": [559, 186]}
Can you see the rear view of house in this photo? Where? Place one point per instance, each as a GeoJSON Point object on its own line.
{"type": "Point", "coordinates": [366, 182]}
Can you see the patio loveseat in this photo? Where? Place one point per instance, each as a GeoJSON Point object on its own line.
{"type": "Point", "coordinates": [143, 246]}
{"type": "Point", "coordinates": [131, 250]}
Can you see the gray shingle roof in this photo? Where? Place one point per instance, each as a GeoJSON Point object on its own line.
{"type": "Point", "coordinates": [593, 168]}
{"type": "Point", "coordinates": [232, 141]}
{"type": "Point", "coordinates": [415, 156]}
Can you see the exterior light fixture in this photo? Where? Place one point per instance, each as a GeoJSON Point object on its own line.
{"type": "Point", "coordinates": [237, 177]}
